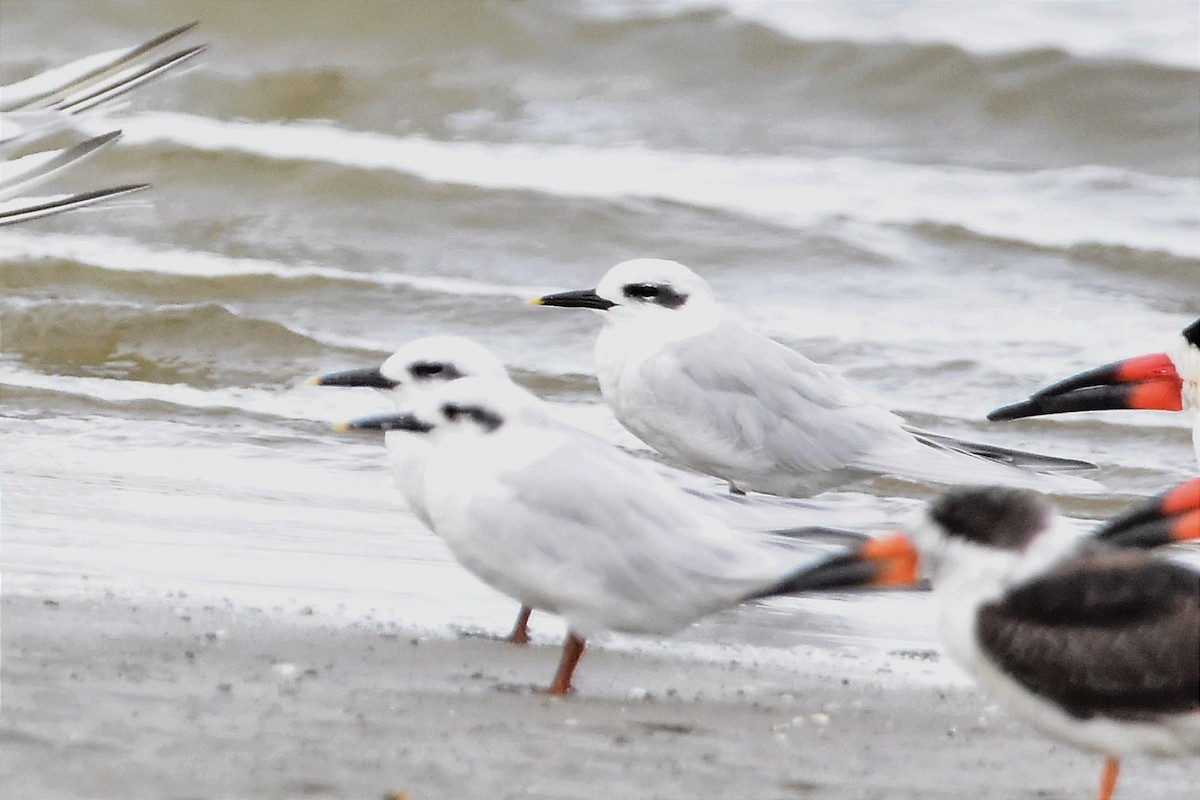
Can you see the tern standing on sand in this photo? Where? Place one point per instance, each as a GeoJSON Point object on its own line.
{"type": "Point", "coordinates": [411, 372]}
{"type": "Point", "coordinates": [423, 365]}
{"type": "Point", "coordinates": [707, 392]}
{"type": "Point", "coordinates": [564, 522]}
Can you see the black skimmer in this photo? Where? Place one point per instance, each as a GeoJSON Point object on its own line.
{"type": "Point", "coordinates": [1096, 646]}
{"type": "Point", "coordinates": [1168, 381]}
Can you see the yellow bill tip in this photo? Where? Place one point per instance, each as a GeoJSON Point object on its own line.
{"type": "Point", "coordinates": [315, 380]}
{"type": "Point", "coordinates": [343, 427]}
{"type": "Point", "coordinates": [537, 301]}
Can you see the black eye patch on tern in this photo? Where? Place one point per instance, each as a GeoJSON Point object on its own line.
{"type": "Point", "coordinates": [484, 418]}
{"type": "Point", "coordinates": [659, 294]}
{"type": "Point", "coordinates": [434, 369]}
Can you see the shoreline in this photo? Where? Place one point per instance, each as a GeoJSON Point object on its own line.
{"type": "Point", "coordinates": [116, 698]}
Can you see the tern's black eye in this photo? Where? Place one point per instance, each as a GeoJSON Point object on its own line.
{"type": "Point", "coordinates": [485, 419]}
{"type": "Point", "coordinates": [658, 294]}
{"type": "Point", "coordinates": [482, 417]}
{"type": "Point", "coordinates": [426, 369]}
{"type": "Point", "coordinates": [642, 291]}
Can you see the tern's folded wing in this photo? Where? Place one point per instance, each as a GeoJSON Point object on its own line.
{"type": "Point", "coordinates": [609, 540]}
{"type": "Point", "coordinates": [739, 394]}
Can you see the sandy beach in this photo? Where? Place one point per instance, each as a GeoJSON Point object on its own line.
{"type": "Point", "coordinates": [177, 699]}
{"type": "Point", "coordinates": [209, 594]}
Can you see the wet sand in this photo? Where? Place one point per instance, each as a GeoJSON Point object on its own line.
{"type": "Point", "coordinates": [116, 698]}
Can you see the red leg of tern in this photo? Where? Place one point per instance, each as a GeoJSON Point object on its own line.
{"type": "Point", "coordinates": [520, 631]}
{"type": "Point", "coordinates": [572, 650]}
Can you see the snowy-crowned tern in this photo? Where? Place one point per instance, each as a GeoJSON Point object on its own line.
{"type": "Point", "coordinates": [566, 523]}
{"type": "Point", "coordinates": [707, 392]}
{"type": "Point", "coordinates": [426, 363]}
{"type": "Point", "coordinates": [408, 374]}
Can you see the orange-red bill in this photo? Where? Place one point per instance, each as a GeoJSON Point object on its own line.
{"type": "Point", "coordinates": [1156, 366]}
{"type": "Point", "coordinates": [1161, 394]}
{"type": "Point", "coordinates": [1184, 497]}
{"type": "Point", "coordinates": [1153, 367]}
{"type": "Point", "coordinates": [1186, 527]}
{"type": "Point", "coordinates": [1173, 516]}
{"type": "Point", "coordinates": [890, 561]}
{"type": "Point", "coordinates": [896, 557]}
{"type": "Point", "coordinates": [1144, 382]}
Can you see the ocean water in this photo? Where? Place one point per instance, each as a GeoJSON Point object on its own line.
{"type": "Point", "coordinates": [952, 203]}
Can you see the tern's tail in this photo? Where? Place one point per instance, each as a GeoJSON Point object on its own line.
{"type": "Point", "coordinates": [944, 459]}
{"type": "Point", "coordinates": [1002, 455]}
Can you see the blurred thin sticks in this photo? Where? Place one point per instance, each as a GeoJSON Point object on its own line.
{"type": "Point", "coordinates": [51, 102]}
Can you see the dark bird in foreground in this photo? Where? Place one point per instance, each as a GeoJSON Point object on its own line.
{"type": "Point", "coordinates": [1092, 640]}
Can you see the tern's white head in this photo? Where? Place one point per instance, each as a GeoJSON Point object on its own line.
{"type": "Point", "coordinates": [422, 365]}
{"type": "Point", "coordinates": [473, 406]}
{"type": "Point", "coordinates": [426, 363]}
{"type": "Point", "coordinates": [643, 289]}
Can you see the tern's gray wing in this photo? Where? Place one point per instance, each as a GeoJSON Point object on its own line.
{"type": "Point", "coordinates": [745, 397]}
{"type": "Point", "coordinates": [736, 404]}
{"type": "Point", "coordinates": [609, 545]}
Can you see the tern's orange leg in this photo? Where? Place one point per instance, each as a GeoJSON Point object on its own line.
{"type": "Point", "coordinates": [572, 650]}
{"type": "Point", "coordinates": [520, 631]}
{"type": "Point", "coordinates": [1108, 783]}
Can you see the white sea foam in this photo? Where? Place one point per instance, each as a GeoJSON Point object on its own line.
{"type": "Point", "coordinates": [1161, 32]}
{"type": "Point", "coordinates": [1076, 205]}
{"type": "Point", "coordinates": [123, 255]}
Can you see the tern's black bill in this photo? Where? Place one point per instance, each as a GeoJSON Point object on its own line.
{"type": "Point", "coordinates": [583, 298]}
{"type": "Point", "coordinates": [368, 376]}
{"type": "Point", "coordinates": [388, 422]}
